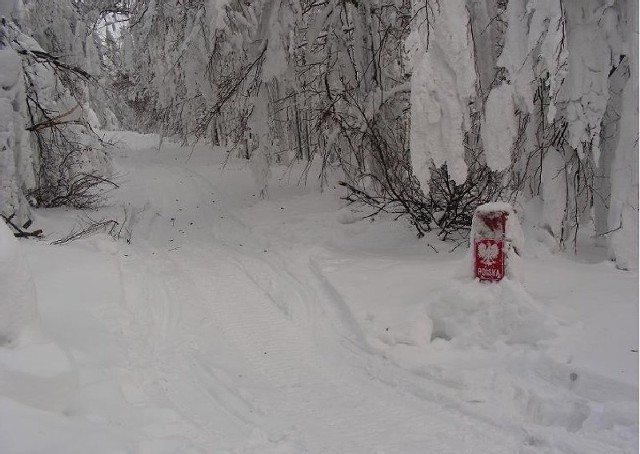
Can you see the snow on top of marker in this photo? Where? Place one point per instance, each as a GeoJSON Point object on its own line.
{"type": "Point", "coordinates": [492, 207]}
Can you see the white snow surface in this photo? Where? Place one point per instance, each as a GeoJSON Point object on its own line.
{"type": "Point", "coordinates": [234, 324]}
{"type": "Point", "coordinates": [18, 309]}
{"type": "Point", "coordinates": [6, 7]}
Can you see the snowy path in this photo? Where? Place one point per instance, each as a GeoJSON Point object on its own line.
{"type": "Point", "coordinates": [234, 325]}
{"type": "Point", "coordinates": [276, 374]}
{"type": "Point", "coordinates": [238, 342]}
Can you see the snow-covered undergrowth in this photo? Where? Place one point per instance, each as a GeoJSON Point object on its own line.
{"type": "Point", "coordinates": [235, 324]}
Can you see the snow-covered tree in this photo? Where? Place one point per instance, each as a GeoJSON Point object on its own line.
{"type": "Point", "coordinates": [50, 155]}
{"type": "Point", "coordinates": [426, 108]}
{"type": "Point", "coordinates": [16, 154]}
{"type": "Point", "coordinates": [550, 81]}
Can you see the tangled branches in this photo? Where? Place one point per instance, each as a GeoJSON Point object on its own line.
{"type": "Point", "coordinates": [388, 184]}
{"type": "Point", "coordinates": [448, 207]}
{"type": "Point", "coordinates": [71, 165]}
{"type": "Point", "coordinates": [453, 205]}
{"type": "Point", "coordinates": [81, 191]}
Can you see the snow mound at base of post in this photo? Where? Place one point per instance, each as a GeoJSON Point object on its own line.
{"type": "Point", "coordinates": [466, 313]}
{"type": "Point", "coordinates": [471, 313]}
{"type": "Point", "coordinates": [18, 306]}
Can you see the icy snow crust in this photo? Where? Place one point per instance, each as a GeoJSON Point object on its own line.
{"type": "Point", "coordinates": [233, 324]}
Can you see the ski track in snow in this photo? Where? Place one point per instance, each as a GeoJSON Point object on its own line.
{"type": "Point", "coordinates": [333, 406]}
{"type": "Point", "coordinates": [236, 341]}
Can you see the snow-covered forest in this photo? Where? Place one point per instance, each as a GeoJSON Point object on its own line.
{"type": "Point", "coordinates": [425, 109]}
{"type": "Point", "coordinates": [243, 226]}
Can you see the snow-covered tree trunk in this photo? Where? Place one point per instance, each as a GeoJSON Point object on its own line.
{"type": "Point", "coordinates": [623, 211]}
{"type": "Point", "coordinates": [609, 139]}
{"type": "Point", "coordinates": [16, 155]}
{"type": "Point", "coordinates": [443, 83]}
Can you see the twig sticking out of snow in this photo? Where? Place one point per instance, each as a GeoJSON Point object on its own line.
{"type": "Point", "coordinates": [88, 227]}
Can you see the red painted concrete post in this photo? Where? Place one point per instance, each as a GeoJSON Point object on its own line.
{"type": "Point", "coordinates": [489, 244]}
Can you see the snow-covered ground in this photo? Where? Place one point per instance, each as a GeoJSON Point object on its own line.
{"type": "Point", "coordinates": [232, 324]}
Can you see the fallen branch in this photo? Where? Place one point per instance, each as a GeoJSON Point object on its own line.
{"type": "Point", "coordinates": [20, 232]}
{"type": "Point", "coordinates": [55, 62]}
{"type": "Point", "coordinates": [116, 229]}
{"type": "Point", "coordinates": [55, 121]}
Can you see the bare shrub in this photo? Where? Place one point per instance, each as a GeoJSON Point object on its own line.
{"type": "Point", "coordinates": [453, 205]}
{"type": "Point", "coordinates": [81, 191]}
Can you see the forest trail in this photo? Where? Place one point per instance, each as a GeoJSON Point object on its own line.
{"type": "Point", "coordinates": [232, 324]}
{"type": "Point", "coordinates": [246, 344]}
